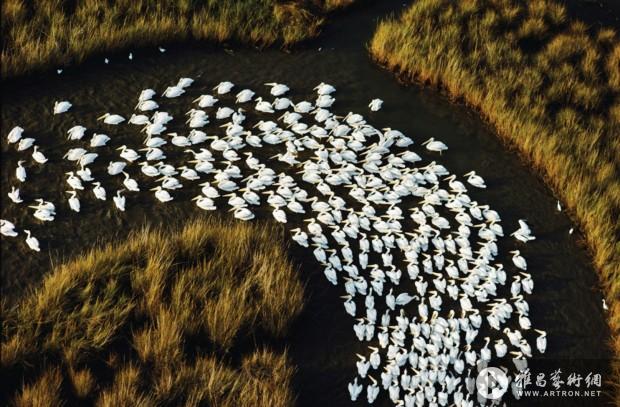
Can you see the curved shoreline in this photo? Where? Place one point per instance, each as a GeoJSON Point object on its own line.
{"type": "Point", "coordinates": [394, 48]}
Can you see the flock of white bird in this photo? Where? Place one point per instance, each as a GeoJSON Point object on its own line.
{"type": "Point", "coordinates": [416, 255]}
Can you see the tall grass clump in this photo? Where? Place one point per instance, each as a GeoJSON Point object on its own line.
{"type": "Point", "coordinates": [550, 86]}
{"type": "Point", "coordinates": [39, 34]}
{"type": "Point", "coordinates": [176, 317]}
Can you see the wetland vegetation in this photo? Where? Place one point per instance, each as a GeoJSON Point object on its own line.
{"type": "Point", "coordinates": [549, 85]}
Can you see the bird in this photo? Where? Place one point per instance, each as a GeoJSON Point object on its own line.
{"type": "Point", "coordinates": [119, 200]}
{"type": "Point", "coordinates": [375, 105]}
{"type": "Point", "coordinates": [113, 119]}
{"type": "Point", "coordinates": [15, 134]}
{"type": "Point", "coordinates": [20, 171]}
{"type": "Point", "coordinates": [31, 241]}
{"type": "Point", "coordinates": [38, 156]}
{"type": "Point", "coordinates": [14, 195]}
{"type": "Point", "coordinates": [62, 106]}
{"type": "Point", "coordinates": [7, 228]}
{"type": "Point", "coordinates": [434, 145]}
{"type": "Point", "coordinates": [223, 87]}
{"type": "Point", "coordinates": [74, 202]}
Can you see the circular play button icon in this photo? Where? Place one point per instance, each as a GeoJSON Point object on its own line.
{"type": "Point", "coordinates": [491, 383]}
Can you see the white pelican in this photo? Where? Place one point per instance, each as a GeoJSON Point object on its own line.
{"type": "Point", "coordinates": [76, 132]}
{"type": "Point", "coordinates": [434, 145]}
{"type": "Point", "coordinates": [61, 107]}
{"type": "Point", "coordinates": [375, 104]}
{"type": "Point", "coordinates": [224, 87]}
{"type": "Point", "coordinates": [15, 134]}
{"type": "Point", "coordinates": [173, 92]}
{"type": "Point", "coordinates": [25, 143]}
{"type": "Point", "coordinates": [99, 191]}
{"type": "Point", "coordinates": [20, 171]}
{"type": "Point", "coordinates": [31, 241]}
{"type": "Point", "coordinates": [111, 118]}
{"type": "Point", "coordinates": [518, 260]}
{"type": "Point", "coordinates": [119, 200]}
{"type": "Point", "coordinates": [277, 89]}
{"type": "Point", "coordinates": [14, 195]}
{"type": "Point", "coordinates": [7, 228]}
{"type": "Point", "coordinates": [74, 202]}
{"type": "Point", "coordinates": [38, 156]}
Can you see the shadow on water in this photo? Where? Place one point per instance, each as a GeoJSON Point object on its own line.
{"type": "Point", "coordinates": [566, 301]}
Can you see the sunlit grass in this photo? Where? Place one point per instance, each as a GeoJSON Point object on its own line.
{"type": "Point", "coordinates": [153, 320]}
{"type": "Point", "coordinates": [550, 86]}
{"type": "Point", "coordinates": [54, 33]}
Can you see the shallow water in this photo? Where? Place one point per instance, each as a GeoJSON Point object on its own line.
{"type": "Point", "coordinates": [566, 301]}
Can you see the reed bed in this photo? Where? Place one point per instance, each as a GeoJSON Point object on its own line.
{"type": "Point", "coordinates": [549, 85]}
{"type": "Point", "coordinates": [43, 34]}
{"type": "Point", "coordinates": [163, 318]}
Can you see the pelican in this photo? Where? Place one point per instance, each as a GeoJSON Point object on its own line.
{"type": "Point", "coordinates": [434, 145]}
{"type": "Point", "coordinates": [277, 89]}
{"type": "Point", "coordinates": [99, 191]}
{"type": "Point", "coordinates": [204, 203]}
{"type": "Point", "coordinates": [14, 195]}
{"type": "Point", "coordinates": [113, 119]}
{"type": "Point", "coordinates": [31, 241]}
{"type": "Point", "coordinates": [130, 183]}
{"type": "Point", "coordinates": [20, 171]}
{"type": "Point", "coordinates": [375, 104]}
{"type": "Point", "coordinates": [15, 134]}
{"type": "Point", "coordinates": [7, 228]}
{"type": "Point", "coordinates": [173, 92]}
{"type": "Point", "coordinates": [161, 194]}
{"type": "Point", "coordinates": [116, 167]}
{"type": "Point", "coordinates": [25, 143]}
{"type": "Point", "coordinates": [324, 89]}
{"type": "Point", "coordinates": [245, 96]}
{"type": "Point", "coordinates": [76, 132]}
{"type": "Point", "coordinates": [38, 156]}
{"type": "Point", "coordinates": [206, 101]}
{"type": "Point", "coordinates": [224, 87]}
{"type": "Point", "coordinates": [62, 107]}
{"type": "Point", "coordinates": [144, 106]}
{"type": "Point", "coordinates": [119, 200]}
{"type": "Point", "coordinates": [518, 260]}
{"type": "Point", "coordinates": [99, 140]}
{"type": "Point", "coordinates": [475, 180]}
{"type": "Point", "coordinates": [74, 202]}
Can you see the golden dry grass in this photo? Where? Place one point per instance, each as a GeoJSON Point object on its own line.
{"type": "Point", "coordinates": [155, 320]}
{"type": "Point", "coordinates": [550, 86]}
{"type": "Point", "coordinates": [53, 33]}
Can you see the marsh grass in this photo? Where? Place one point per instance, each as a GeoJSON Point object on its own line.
{"type": "Point", "coordinates": [54, 33]}
{"type": "Point", "coordinates": [158, 319]}
{"type": "Point", "coordinates": [550, 86]}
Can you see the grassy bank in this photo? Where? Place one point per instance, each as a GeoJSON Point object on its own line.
{"type": "Point", "coordinates": [550, 86]}
{"type": "Point", "coordinates": [53, 33]}
{"type": "Point", "coordinates": [164, 318]}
